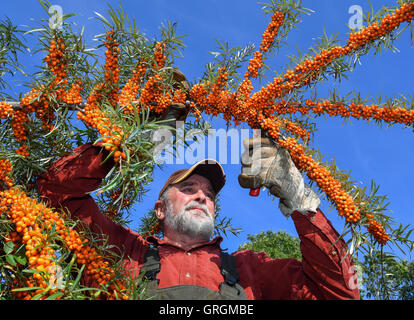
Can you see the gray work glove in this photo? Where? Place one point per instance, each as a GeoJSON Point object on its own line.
{"type": "Point", "coordinates": [266, 164]}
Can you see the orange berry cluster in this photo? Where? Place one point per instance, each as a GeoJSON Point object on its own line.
{"type": "Point", "coordinates": [156, 228]}
{"type": "Point", "coordinates": [45, 113]}
{"type": "Point", "coordinates": [13, 237]}
{"type": "Point", "coordinates": [212, 98]}
{"type": "Point", "coordinates": [94, 118]}
{"type": "Point", "coordinates": [387, 114]}
{"type": "Point", "coordinates": [57, 65]}
{"type": "Point", "coordinates": [25, 212]}
{"type": "Point", "coordinates": [180, 96]}
{"type": "Point", "coordinates": [388, 23]}
{"type": "Point", "coordinates": [5, 170]}
{"type": "Point", "coordinates": [111, 66]}
{"type": "Point", "coordinates": [73, 95]}
{"type": "Point", "coordinates": [311, 67]}
{"type": "Point", "coordinates": [246, 87]}
{"type": "Point", "coordinates": [33, 221]}
{"type": "Point", "coordinates": [159, 56]}
{"type": "Point", "coordinates": [297, 130]}
{"type": "Point", "coordinates": [35, 101]}
{"type": "Point", "coordinates": [154, 96]}
{"type": "Point", "coordinates": [330, 186]}
{"type": "Point", "coordinates": [377, 230]}
{"type": "Point", "coordinates": [111, 211]}
{"type": "Point", "coordinates": [18, 122]}
{"type": "Point", "coordinates": [130, 90]}
{"type": "Point", "coordinates": [254, 65]}
{"type": "Point", "coordinates": [6, 110]}
{"type": "Point", "coordinates": [344, 203]}
{"type": "Point", "coordinates": [271, 31]}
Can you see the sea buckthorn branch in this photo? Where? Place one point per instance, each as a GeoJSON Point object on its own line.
{"type": "Point", "coordinates": [43, 101]}
{"type": "Point", "coordinates": [244, 90]}
{"type": "Point", "coordinates": [130, 90]}
{"type": "Point", "coordinates": [396, 114]}
{"type": "Point", "coordinates": [330, 186]}
{"type": "Point", "coordinates": [338, 191]}
{"type": "Point", "coordinates": [333, 189]}
{"type": "Point", "coordinates": [311, 67]}
{"type": "Point", "coordinates": [111, 77]}
{"type": "Point", "coordinates": [156, 95]}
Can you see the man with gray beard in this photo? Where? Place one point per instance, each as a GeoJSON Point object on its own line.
{"type": "Point", "coordinates": [187, 263]}
{"type": "Point", "coordinates": [186, 223]}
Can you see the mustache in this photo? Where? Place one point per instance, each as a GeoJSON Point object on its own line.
{"type": "Point", "coordinates": [196, 205]}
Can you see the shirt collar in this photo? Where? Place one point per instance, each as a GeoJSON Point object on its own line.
{"type": "Point", "coordinates": [159, 242]}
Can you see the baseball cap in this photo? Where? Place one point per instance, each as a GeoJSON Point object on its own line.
{"type": "Point", "coordinates": [208, 168]}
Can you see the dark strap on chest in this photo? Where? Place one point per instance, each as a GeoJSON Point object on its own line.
{"type": "Point", "coordinates": [230, 287]}
{"type": "Point", "coordinates": [151, 265]}
{"type": "Point", "coordinates": [228, 268]}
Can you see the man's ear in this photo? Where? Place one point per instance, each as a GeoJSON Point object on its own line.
{"type": "Point", "coordinates": [160, 209]}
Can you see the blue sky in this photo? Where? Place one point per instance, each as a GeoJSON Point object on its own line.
{"type": "Point", "coordinates": [383, 155]}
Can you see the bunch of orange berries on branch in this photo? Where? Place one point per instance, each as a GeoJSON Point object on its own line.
{"type": "Point", "coordinates": [5, 171]}
{"type": "Point", "coordinates": [94, 118]}
{"type": "Point", "coordinates": [359, 111]}
{"type": "Point", "coordinates": [111, 66]}
{"type": "Point", "coordinates": [33, 223]}
{"type": "Point", "coordinates": [56, 61]}
{"type": "Point", "coordinates": [130, 91]}
{"type": "Point", "coordinates": [6, 110]}
{"type": "Point", "coordinates": [310, 68]}
{"type": "Point", "coordinates": [38, 101]}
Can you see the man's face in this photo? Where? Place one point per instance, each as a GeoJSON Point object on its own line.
{"type": "Point", "coordinates": [190, 207]}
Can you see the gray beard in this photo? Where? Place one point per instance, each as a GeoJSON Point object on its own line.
{"type": "Point", "coordinates": [186, 223]}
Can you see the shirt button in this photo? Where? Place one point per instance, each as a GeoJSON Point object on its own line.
{"type": "Point", "coordinates": [187, 275]}
{"type": "Point", "coordinates": [188, 253]}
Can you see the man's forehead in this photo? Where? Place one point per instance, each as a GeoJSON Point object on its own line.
{"type": "Point", "coordinates": [196, 179]}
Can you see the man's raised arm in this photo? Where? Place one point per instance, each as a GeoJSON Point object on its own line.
{"type": "Point", "coordinates": [67, 185]}
{"type": "Point", "coordinates": [326, 271]}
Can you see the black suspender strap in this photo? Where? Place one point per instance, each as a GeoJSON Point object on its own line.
{"type": "Point", "coordinates": [229, 289]}
{"type": "Point", "coordinates": [229, 272]}
{"type": "Point", "coordinates": [151, 265]}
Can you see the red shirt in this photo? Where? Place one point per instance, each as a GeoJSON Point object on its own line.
{"type": "Point", "coordinates": [322, 273]}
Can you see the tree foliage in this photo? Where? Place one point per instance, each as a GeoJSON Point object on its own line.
{"type": "Point", "coordinates": [386, 277]}
{"type": "Point", "coordinates": [276, 244]}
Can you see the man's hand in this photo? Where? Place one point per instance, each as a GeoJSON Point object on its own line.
{"type": "Point", "coordinates": [266, 164]}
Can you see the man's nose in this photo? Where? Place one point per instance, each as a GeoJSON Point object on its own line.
{"type": "Point", "coordinates": [200, 196]}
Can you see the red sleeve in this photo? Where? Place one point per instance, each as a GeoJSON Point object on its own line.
{"type": "Point", "coordinates": [323, 273]}
{"type": "Point", "coordinates": [69, 181]}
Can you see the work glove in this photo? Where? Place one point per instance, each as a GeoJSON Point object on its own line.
{"type": "Point", "coordinates": [266, 164]}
